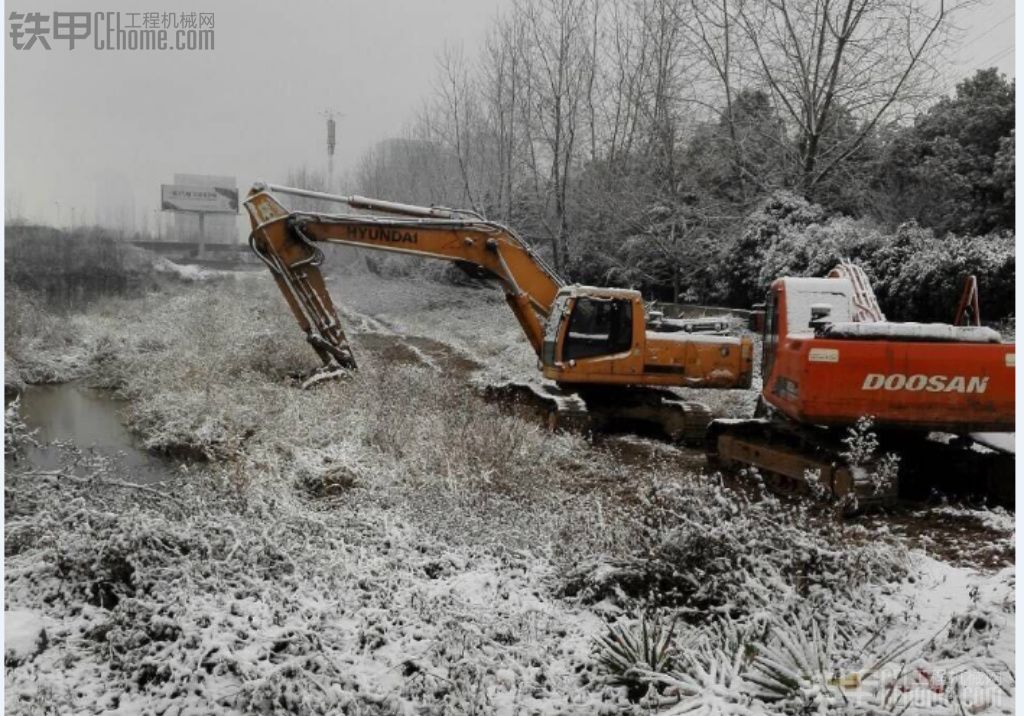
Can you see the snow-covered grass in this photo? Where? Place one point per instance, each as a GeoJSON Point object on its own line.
{"type": "Point", "coordinates": [39, 346]}
{"type": "Point", "coordinates": [394, 544]}
{"type": "Point", "coordinates": [197, 597]}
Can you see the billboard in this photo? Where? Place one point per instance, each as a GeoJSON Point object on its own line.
{"type": "Point", "coordinates": [206, 199]}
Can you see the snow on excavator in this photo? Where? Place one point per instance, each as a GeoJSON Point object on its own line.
{"type": "Point", "coordinates": [604, 360]}
{"type": "Point", "coordinates": [934, 393]}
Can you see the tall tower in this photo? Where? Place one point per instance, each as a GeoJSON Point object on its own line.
{"type": "Point", "coordinates": [330, 114]}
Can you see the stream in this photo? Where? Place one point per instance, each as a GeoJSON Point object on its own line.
{"type": "Point", "coordinates": [92, 420]}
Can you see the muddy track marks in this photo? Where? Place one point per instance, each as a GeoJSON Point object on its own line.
{"type": "Point", "coordinates": [416, 350]}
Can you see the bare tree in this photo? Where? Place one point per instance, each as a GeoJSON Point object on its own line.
{"type": "Point", "coordinates": [821, 58]}
{"type": "Point", "coordinates": [562, 62]}
{"type": "Point", "coordinates": [457, 116]}
{"type": "Point", "coordinates": [716, 39]}
{"type": "Point", "coordinates": [502, 78]}
{"type": "Point", "coordinates": [627, 54]}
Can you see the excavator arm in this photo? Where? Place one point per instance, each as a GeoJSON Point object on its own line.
{"type": "Point", "coordinates": [287, 242]}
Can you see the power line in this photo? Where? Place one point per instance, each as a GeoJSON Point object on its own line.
{"type": "Point", "coordinates": [987, 62]}
{"type": "Point", "coordinates": [971, 60]}
{"type": "Point", "coordinates": [996, 57]}
{"type": "Point", "coordinates": [998, 24]}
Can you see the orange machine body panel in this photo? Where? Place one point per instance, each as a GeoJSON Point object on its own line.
{"type": "Point", "coordinates": [917, 384]}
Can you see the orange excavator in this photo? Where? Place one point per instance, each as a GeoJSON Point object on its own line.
{"type": "Point", "coordinates": [606, 360]}
{"type": "Point", "coordinates": [939, 396]}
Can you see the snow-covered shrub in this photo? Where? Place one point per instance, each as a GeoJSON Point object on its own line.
{"type": "Point", "coordinates": [443, 432]}
{"type": "Point", "coordinates": [807, 663]}
{"type": "Point", "coordinates": [924, 282]}
{"type": "Point", "coordinates": [38, 343]}
{"type": "Point", "coordinates": [180, 595]}
{"type": "Point", "coordinates": [801, 663]}
{"type": "Point", "coordinates": [861, 453]}
{"type": "Point", "coordinates": [708, 676]}
{"type": "Point", "coordinates": [68, 269]}
{"type": "Point", "coordinates": [740, 281]}
{"type": "Point", "coordinates": [714, 550]}
{"type": "Point", "coordinates": [916, 275]}
{"type": "Point", "coordinates": [630, 651]}
{"type": "Point", "coordinates": [17, 435]}
{"type": "Point", "coordinates": [325, 472]}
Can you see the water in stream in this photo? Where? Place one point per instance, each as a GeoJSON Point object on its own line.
{"type": "Point", "coordinates": [92, 420]}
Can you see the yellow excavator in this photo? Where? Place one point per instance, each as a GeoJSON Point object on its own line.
{"type": "Point", "coordinates": [607, 363]}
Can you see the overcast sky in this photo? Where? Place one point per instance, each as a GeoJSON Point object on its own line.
{"type": "Point", "coordinates": [84, 122]}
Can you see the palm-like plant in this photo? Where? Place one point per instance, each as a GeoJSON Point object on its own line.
{"type": "Point", "coordinates": [708, 681]}
{"type": "Point", "coordinates": [799, 670]}
{"type": "Point", "coordinates": [633, 651]}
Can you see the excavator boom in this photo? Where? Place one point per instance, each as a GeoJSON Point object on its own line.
{"type": "Point", "coordinates": [286, 242]}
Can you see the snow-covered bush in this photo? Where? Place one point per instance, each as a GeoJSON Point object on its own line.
{"type": "Point", "coordinates": [916, 275]}
{"type": "Point", "coordinates": [920, 277]}
{"type": "Point", "coordinates": [182, 595]}
{"type": "Point", "coordinates": [38, 344]}
{"type": "Point", "coordinates": [69, 269]}
{"type": "Point", "coordinates": [879, 472]}
{"type": "Point", "coordinates": [713, 550]}
{"type": "Point", "coordinates": [629, 652]}
{"type": "Point", "coordinates": [17, 435]}
{"type": "Point", "coordinates": [739, 281]}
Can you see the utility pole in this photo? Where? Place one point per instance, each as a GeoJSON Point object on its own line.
{"type": "Point", "coordinates": [330, 114]}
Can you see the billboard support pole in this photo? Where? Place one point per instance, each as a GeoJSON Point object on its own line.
{"type": "Point", "coordinates": [202, 234]}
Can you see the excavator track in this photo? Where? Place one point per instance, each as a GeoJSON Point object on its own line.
{"type": "Point", "coordinates": [807, 461]}
{"type": "Point", "coordinates": [957, 466]}
{"type": "Point", "coordinates": [607, 410]}
{"type": "Point", "coordinates": [796, 461]}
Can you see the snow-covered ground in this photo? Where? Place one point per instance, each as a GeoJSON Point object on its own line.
{"type": "Point", "coordinates": [393, 544]}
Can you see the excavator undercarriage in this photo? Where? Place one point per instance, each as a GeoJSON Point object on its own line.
{"type": "Point", "coordinates": [808, 461]}
{"type": "Point", "coordinates": [650, 411]}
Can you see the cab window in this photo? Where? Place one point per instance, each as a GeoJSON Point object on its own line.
{"type": "Point", "coordinates": [598, 327]}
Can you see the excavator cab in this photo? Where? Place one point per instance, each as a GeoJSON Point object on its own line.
{"type": "Point", "coordinates": [588, 323]}
{"type": "Point", "coordinates": [593, 332]}
{"type": "Point", "coordinates": [601, 335]}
